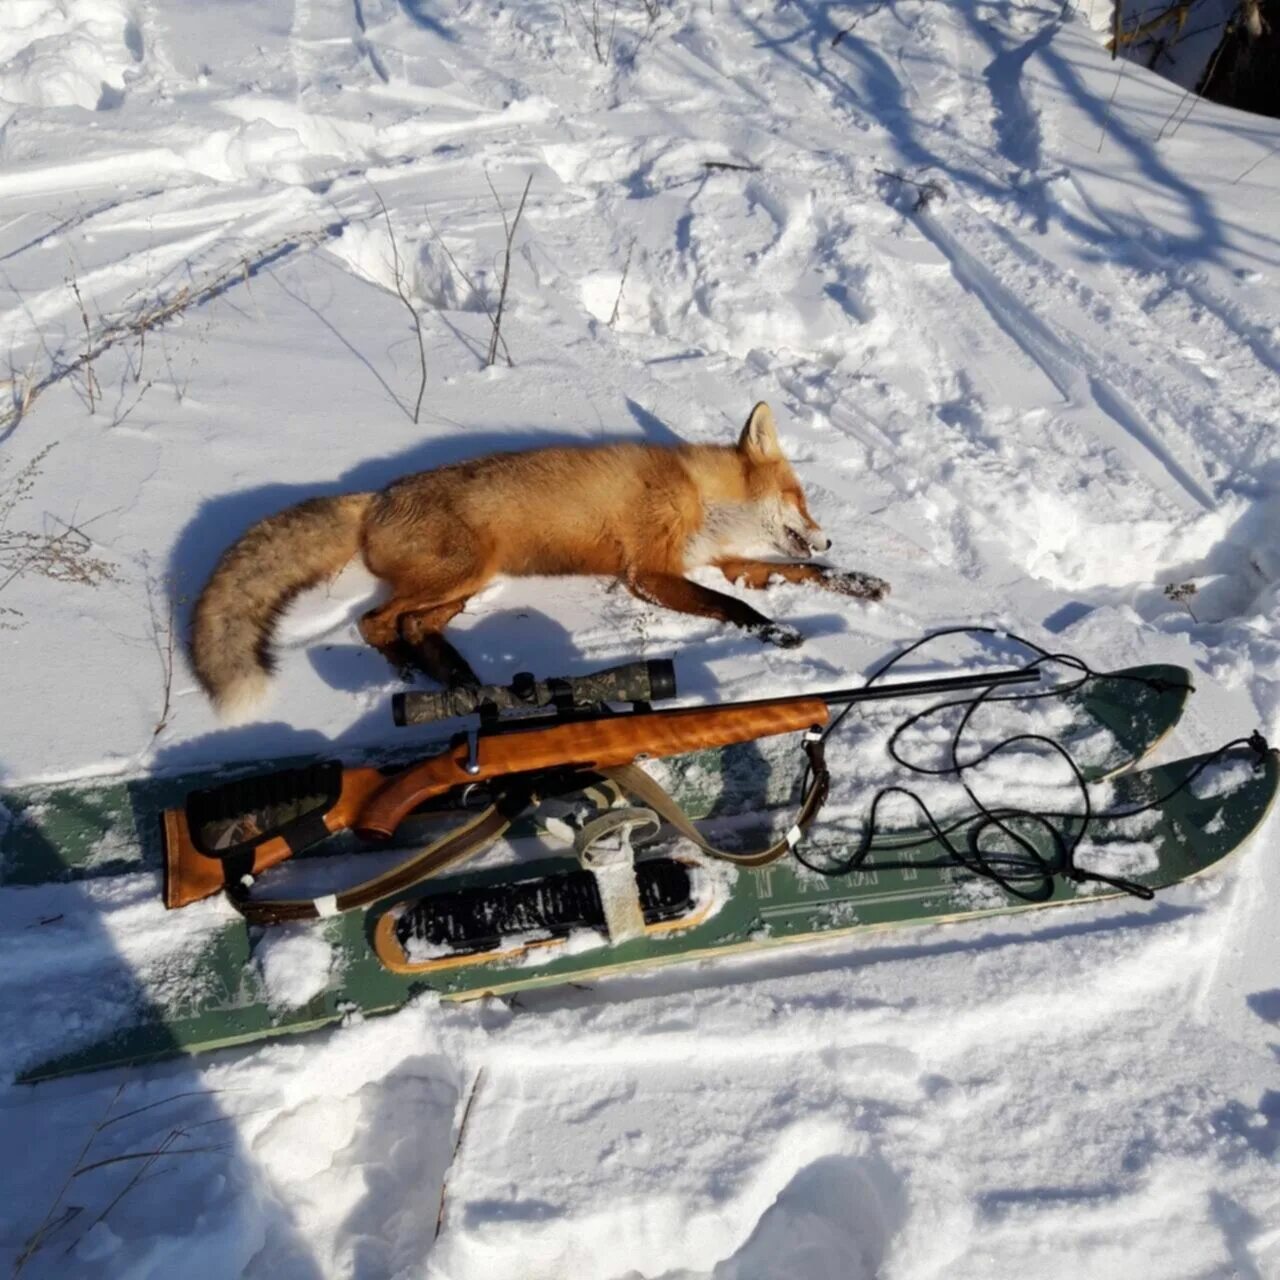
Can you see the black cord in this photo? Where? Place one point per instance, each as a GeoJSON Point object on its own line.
{"type": "Point", "coordinates": [1011, 870]}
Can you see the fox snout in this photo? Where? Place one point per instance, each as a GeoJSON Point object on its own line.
{"type": "Point", "coordinates": [805, 543]}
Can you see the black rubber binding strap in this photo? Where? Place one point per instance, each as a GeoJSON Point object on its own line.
{"type": "Point", "coordinates": [321, 783]}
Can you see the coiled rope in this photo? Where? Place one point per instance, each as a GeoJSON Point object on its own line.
{"type": "Point", "coordinates": [1025, 871]}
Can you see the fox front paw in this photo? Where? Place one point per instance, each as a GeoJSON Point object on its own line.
{"type": "Point", "coordinates": [862, 586]}
{"type": "Point", "coordinates": [779, 633]}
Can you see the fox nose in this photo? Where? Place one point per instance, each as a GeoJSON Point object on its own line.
{"type": "Point", "coordinates": [820, 542]}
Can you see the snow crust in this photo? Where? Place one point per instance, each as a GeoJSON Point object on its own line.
{"type": "Point", "coordinates": [1036, 398]}
{"type": "Point", "coordinates": [295, 966]}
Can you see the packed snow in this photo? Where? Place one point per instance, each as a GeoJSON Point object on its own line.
{"type": "Point", "coordinates": [1014, 306]}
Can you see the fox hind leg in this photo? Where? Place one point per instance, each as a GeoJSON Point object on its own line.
{"type": "Point", "coordinates": [406, 629]}
{"type": "Point", "coordinates": [673, 592]}
{"type": "Point", "coordinates": [421, 636]}
{"type": "Point", "coordinates": [418, 645]}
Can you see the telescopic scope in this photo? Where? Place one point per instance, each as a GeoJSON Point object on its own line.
{"type": "Point", "coordinates": [631, 682]}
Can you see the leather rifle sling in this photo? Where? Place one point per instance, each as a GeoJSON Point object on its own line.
{"type": "Point", "coordinates": [461, 843]}
{"type": "Point", "coordinates": [640, 786]}
{"type": "Point", "coordinates": [485, 828]}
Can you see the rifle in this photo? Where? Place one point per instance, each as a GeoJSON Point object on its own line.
{"type": "Point", "coordinates": [530, 739]}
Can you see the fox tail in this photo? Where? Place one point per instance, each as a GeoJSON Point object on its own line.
{"type": "Point", "coordinates": [253, 584]}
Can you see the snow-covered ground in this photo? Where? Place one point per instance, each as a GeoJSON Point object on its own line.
{"type": "Point", "coordinates": [1036, 397]}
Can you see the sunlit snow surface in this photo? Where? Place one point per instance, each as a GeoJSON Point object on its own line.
{"type": "Point", "coordinates": [1036, 401]}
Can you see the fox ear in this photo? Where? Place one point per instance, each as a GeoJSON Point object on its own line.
{"type": "Point", "coordinates": [759, 438]}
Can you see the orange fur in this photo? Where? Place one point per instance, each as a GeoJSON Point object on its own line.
{"type": "Point", "coordinates": [640, 513]}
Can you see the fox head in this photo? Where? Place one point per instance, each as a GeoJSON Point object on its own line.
{"type": "Point", "coordinates": [774, 494]}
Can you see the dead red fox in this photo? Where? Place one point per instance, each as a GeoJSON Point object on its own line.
{"type": "Point", "coordinates": [643, 514]}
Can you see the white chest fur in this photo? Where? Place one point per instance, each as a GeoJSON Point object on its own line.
{"type": "Point", "coordinates": [734, 529]}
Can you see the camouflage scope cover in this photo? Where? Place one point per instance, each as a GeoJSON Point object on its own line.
{"type": "Point", "coordinates": [630, 682]}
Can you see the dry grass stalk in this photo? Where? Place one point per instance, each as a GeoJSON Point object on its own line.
{"type": "Point", "coordinates": [48, 1225]}
{"type": "Point", "coordinates": [89, 379]}
{"type": "Point", "coordinates": [148, 1158]}
{"type": "Point", "coordinates": [148, 317]}
{"type": "Point", "coordinates": [1183, 593]}
{"type": "Point", "coordinates": [63, 556]}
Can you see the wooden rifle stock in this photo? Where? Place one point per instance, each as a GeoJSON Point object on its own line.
{"type": "Point", "coordinates": [191, 874]}
{"type": "Point", "coordinates": [599, 743]}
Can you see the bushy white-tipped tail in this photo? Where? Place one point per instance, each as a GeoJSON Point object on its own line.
{"type": "Point", "coordinates": [253, 584]}
{"type": "Point", "coordinates": [242, 697]}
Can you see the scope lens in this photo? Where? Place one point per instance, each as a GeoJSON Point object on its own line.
{"type": "Point", "coordinates": [662, 678]}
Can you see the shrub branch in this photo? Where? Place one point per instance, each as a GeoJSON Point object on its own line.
{"type": "Point", "coordinates": [510, 229]}
{"type": "Point", "coordinates": [398, 276]}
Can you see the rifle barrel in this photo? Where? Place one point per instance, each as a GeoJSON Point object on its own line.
{"type": "Point", "coordinates": [909, 688]}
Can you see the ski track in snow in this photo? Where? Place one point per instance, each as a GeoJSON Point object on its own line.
{"type": "Point", "coordinates": [1036, 401]}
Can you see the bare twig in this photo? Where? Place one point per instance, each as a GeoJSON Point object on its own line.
{"type": "Point", "coordinates": [510, 229]}
{"type": "Point", "coordinates": [467, 280]}
{"type": "Point", "coordinates": [603, 49]}
{"type": "Point", "coordinates": [164, 647]}
{"type": "Point", "coordinates": [729, 164]}
{"type": "Point", "coordinates": [930, 190]}
{"type": "Point", "coordinates": [1204, 83]}
{"type": "Point", "coordinates": [398, 275]}
{"type": "Point", "coordinates": [457, 1146]}
{"type": "Point", "coordinates": [121, 418]}
{"type": "Point", "coordinates": [870, 13]}
{"type": "Point", "coordinates": [622, 284]}
{"type": "Point", "coordinates": [1254, 165]}
{"type": "Point", "coordinates": [179, 392]}
{"type": "Point", "coordinates": [1115, 88]}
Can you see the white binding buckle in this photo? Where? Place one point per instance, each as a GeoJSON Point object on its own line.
{"type": "Point", "coordinates": [327, 906]}
{"type": "Point", "coordinates": [605, 849]}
